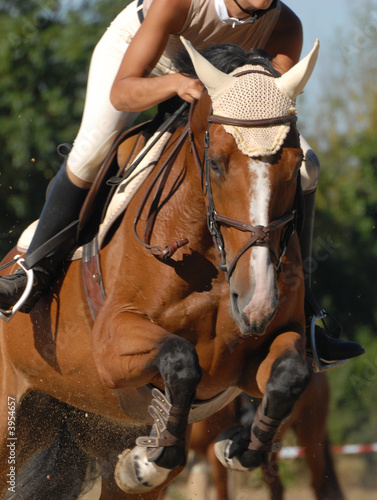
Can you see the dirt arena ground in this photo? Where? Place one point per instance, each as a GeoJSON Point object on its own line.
{"type": "Point", "coordinates": [357, 477]}
{"type": "Point", "coordinates": [303, 493]}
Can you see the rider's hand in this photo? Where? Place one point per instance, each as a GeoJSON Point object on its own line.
{"type": "Point", "coordinates": [189, 89]}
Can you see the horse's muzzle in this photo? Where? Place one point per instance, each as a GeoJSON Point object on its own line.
{"type": "Point", "coordinates": [251, 321]}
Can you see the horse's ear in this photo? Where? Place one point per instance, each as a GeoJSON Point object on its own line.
{"type": "Point", "coordinates": [215, 81]}
{"type": "Point", "coordinates": [292, 83]}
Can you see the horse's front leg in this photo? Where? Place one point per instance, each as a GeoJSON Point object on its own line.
{"type": "Point", "coordinates": [178, 365]}
{"type": "Point", "coordinates": [138, 353]}
{"type": "Point", "coordinates": [282, 377]}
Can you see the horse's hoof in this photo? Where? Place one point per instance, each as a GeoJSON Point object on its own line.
{"type": "Point", "coordinates": [226, 448]}
{"type": "Point", "coordinates": [135, 474]}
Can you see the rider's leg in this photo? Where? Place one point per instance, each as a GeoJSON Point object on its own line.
{"type": "Point", "coordinates": [329, 349]}
{"type": "Point", "coordinates": [100, 125]}
{"type": "Point", "coordinates": [62, 207]}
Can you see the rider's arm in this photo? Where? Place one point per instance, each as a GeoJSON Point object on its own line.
{"type": "Point", "coordinates": [285, 43]}
{"type": "Point", "coordinates": [132, 90]}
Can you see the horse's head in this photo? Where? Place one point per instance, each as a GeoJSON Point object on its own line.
{"type": "Point", "coordinates": [251, 163]}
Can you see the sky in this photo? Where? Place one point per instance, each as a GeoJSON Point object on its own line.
{"type": "Point", "coordinates": [321, 19]}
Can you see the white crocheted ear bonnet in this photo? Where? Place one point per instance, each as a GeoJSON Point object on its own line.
{"type": "Point", "coordinates": [255, 96]}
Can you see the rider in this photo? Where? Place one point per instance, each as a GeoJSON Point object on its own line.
{"type": "Point", "coordinates": [141, 43]}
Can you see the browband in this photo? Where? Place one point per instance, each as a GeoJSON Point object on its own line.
{"type": "Point", "coordinates": [263, 122]}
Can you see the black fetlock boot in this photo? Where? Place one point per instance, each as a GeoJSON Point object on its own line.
{"type": "Point", "coordinates": [62, 208]}
{"type": "Point", "coordinates": [327, 351]}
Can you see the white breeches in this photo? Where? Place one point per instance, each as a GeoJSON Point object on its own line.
{"type": "Point", "coordinates": [101, 122]}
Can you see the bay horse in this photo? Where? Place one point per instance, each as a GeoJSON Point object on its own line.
{"type": "Point", "coordinates": [176, 338]}
{"type": "Point", "coordinates": [309, 423]}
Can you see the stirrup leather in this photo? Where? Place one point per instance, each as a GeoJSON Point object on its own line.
{"type": "Point", "coordinates": [162, 412]}
{"type": "Point", "coordinates": [7, 315]}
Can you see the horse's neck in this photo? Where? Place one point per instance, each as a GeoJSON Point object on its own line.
{"type": "Point", "coordinates": [184, 214]}
{"type": "Point", "coordinates": [180, 211]}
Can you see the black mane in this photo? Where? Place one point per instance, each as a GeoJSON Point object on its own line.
{"type": "Point", "coordinates": [226, 57]}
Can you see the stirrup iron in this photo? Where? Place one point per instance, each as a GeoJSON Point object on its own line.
{"type": "Point", "coordinates": [7, 315]}
{"type": "Point", "coordinates": [317, 364]}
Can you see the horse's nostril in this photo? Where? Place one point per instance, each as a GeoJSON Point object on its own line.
{"type": "Point", "coordinates": [234, 300]}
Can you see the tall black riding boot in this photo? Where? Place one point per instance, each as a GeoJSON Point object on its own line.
{"type": "Point", "coordinates": [329, 349]}
{"type": "Point", "coordinates": [62, 207]}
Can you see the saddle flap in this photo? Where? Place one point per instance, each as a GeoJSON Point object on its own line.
{"type": "Point", "coordinates": [114, 162]}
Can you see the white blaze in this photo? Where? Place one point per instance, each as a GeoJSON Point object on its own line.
{"type": "Point", "coordinates": [262, 192]}
{"type": "Point", "coordinates": [260, 261]}
{"type": "Point", "coordinates": [259, 216]}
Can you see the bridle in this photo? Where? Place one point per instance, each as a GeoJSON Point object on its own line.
{"type": "Point", "coordinates": [259, 235]}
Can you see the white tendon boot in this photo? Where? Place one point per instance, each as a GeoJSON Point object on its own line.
{"type": "Point", "coordinates": [135, 474]}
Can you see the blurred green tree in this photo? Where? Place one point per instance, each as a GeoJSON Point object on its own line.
{"type": "Point", "coordinates": [345, 139]}
{"type": "Point", "coordinates": [45, 50]}
{"type": "Point", "coordinates": [345, 230]}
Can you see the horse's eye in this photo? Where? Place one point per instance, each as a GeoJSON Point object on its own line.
{"type": "Point", "coordinates": [214, 165]}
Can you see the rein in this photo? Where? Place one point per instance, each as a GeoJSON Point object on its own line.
{"type": "Point", "coordinates": [165, 253]}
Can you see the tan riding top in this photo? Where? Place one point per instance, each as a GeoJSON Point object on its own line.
{"type": "Point", "coordinates": [204, 27]}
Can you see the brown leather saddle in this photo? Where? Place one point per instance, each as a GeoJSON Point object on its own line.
{"type": "Point", "coordinates": [124, 149]}
{"type": "Point", "coordinates": [117, 165]}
